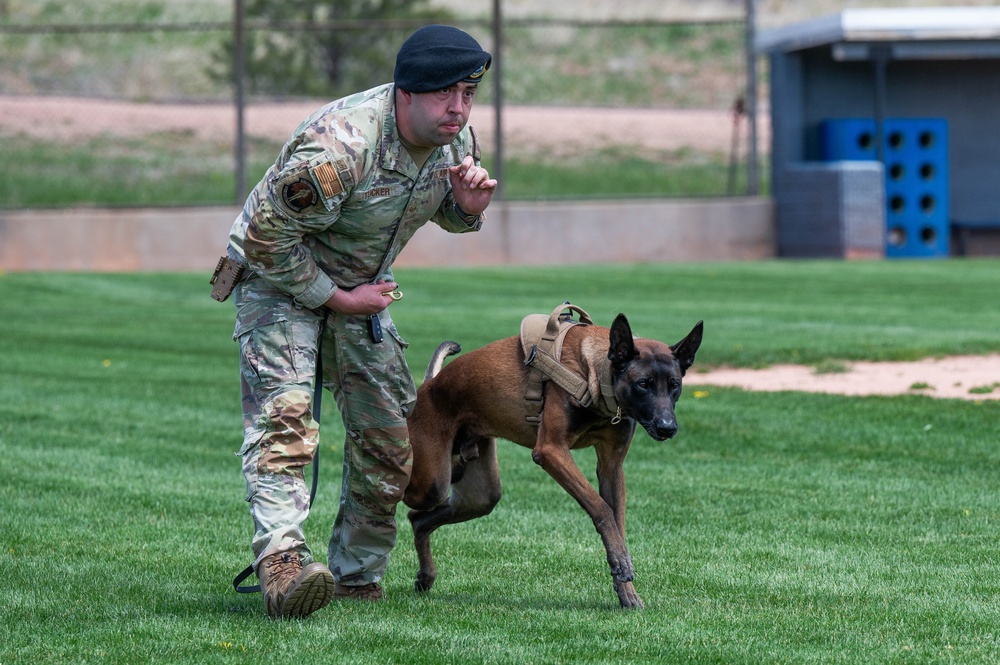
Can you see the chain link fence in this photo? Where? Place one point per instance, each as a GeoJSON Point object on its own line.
{"type": "Point", "coordinates": [146, 113]}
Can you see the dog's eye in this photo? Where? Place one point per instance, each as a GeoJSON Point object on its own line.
{"type": "Point", "coordinates": [644, 384]}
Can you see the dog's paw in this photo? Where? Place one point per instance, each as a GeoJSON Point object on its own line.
{"type": "Point", "coordinates": [423, 583]}
{"type": "Point", "coordinates": [628, 597]}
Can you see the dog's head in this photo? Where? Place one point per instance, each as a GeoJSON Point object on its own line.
{"type": "Point", "coordinates": [647, 377]}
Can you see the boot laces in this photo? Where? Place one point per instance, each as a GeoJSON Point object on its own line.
{"type": "Point", "coordinates": [285, 565]}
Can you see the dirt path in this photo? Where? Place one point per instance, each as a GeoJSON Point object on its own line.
{"type": "Point", "coordinates": [526, 128]}
{"type": "Point", "coordinates": [958, 377]}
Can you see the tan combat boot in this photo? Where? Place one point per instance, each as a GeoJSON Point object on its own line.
{"type": "Point", "coordinates": [291, 590]}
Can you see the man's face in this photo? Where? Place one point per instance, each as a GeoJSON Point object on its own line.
{"type": "Point", "coordinates": [431, 119]}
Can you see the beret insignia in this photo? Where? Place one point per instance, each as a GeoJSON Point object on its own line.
{"type": "Point", "coordinates": [478, 74]}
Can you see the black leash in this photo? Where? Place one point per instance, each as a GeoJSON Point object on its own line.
{"type": "Point", "coordinates": [317, 409]}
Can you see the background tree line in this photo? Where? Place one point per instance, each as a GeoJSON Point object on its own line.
{"type": "Point", "coordinates": [306, 61]}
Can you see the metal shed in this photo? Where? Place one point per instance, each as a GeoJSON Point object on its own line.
{"type": "Point", "coordinates": [838, 84]}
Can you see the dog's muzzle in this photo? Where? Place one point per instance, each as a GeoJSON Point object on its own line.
{"type": "Point", "coordinates": [661, 429]}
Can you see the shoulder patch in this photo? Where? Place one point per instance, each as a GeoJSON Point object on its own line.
{"type": "Point", "coordinates": [328, 179]}
{"type": "Point", "coordinates": [300, 193]}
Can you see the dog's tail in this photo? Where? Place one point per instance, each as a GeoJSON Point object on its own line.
{"type": "Point", "coordinates": [445, 349]}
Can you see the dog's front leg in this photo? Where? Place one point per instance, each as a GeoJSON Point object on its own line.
{"type": "Point", "coordinates": [555, 458]}
{"type": "Point", "coordinates": [611, 483]}
{"type": "Point", "coordinates": [611, 479]}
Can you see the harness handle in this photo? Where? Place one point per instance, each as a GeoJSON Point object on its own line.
{"type": "Point", "coordinates": [552, 329]}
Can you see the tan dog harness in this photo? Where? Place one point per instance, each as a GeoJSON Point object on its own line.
{"type": "Point", "coordinates": [542, 339]}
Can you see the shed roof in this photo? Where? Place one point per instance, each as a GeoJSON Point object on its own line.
{"type": "Point", "coordinates": [924, 24]}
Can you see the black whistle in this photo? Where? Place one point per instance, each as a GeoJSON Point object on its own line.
{"type": "Point", "coordinates": [375, 328]}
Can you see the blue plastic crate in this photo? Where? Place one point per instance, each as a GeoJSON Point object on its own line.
{"type": "Point", "coordinates": [915, 157]}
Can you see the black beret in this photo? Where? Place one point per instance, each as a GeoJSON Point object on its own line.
{"type": "Point", "coordinates": [438, 56]}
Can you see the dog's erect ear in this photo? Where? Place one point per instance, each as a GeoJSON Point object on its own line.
{"type": "Point", "coordinates": [622, 350]}
{"type": "Point", "coordinates": [685, 349]}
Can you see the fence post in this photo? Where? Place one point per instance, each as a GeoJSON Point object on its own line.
{"type": "Point", "coordinates": [750, 28]}
{"type": "Point", "coordinates": [239, 66]}
{"type": "Point", "coordinates": [498, 96]}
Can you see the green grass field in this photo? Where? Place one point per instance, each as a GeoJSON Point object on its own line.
{"type": "Point", "coordinates": [776, 528]}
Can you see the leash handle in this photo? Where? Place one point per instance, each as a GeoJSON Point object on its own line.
{"type": "Point", "coordinates": [245, 573]}
{"type": "Point", "coordinates": [317, 411]}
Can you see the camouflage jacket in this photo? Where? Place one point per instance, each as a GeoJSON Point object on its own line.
{"type": "Point", "coordinates": [343, 198]}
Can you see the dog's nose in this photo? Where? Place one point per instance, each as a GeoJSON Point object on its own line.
{"type": "Point", "coordinates": [663, 429]}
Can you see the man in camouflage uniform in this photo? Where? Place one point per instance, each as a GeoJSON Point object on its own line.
{"type": "Point", "coordinates": [317, 237]}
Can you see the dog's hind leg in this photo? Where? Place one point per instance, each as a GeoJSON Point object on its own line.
{"type": "Point", "coordinates": [474, 495]}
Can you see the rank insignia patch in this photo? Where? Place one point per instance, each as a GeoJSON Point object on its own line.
{"type": "Point", "coordinates": [299, 194]}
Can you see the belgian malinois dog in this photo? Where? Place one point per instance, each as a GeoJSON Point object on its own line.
{"type": "Point", "coordinates": [463, 407]}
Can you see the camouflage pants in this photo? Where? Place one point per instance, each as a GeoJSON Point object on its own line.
{"type": "Point", "coordinates": [374, 391]}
